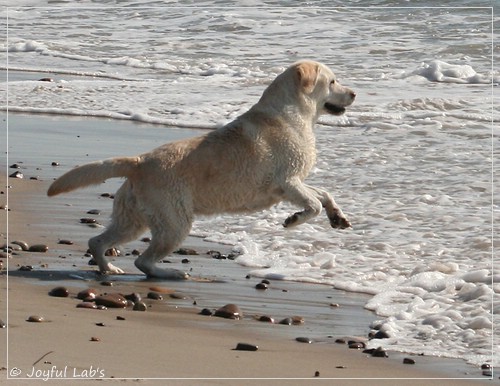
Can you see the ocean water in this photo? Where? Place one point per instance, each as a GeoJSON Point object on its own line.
{"type": "Point", "coordinates": [411, 163]}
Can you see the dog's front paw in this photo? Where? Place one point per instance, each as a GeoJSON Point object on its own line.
{"type": "Point", "coordinates": [340, 222]}
{"type": "Point", "coordinates": [113, 270]}
{"type": "Point", "coordinates": [291, 220]}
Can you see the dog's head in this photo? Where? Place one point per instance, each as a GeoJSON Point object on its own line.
{"type": "Point", "coordinates": [317, 82]}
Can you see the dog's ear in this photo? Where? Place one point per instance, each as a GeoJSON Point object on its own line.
{"type": "Point", "coordinates": [307, 74]}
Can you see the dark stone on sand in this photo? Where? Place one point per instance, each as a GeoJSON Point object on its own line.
{"type": "Point", "coordinates": [265, 281]}
{"type": "Point", "coordinates": [265, 318]}
{"type": "Point", "coordinates": [379, 335]}
{"type": "Point", "coordinates": [90, 305]}
{"type": "Point", "coordinates": [112, 252]}
{"type": "Point", "coordinates": [357, 345]}
{"type": "Point", "coordinates": [39, 248]}
{"type": "Point", "coordinates": [140, 306]}
{"type": "Point", "coordinates": [229, 311]}
{"type": "Point", "coordinates": [487, 373]}
{"type": "Point", "coordinates": [35, 319]}
{"type": "Point", "coordinates": [133, 297]}
{"type": "Point", "coordinates": [65, 242]}
{"type": "Point", "coordinates": [261, 286]}
{"type": "Point", "coordinates": [107, 283]}
{"type": "Point", "coordinates": [120, 318]}
{"type": "Point", "coordinates": [46, 80]}
{"type": "Point", "coordinates": [408, 361]}
{"type": "Point", "coordinates": [297, 320]}
{"type": "Point", "coordinates": [186, 251]}
{"type": "Point", "coordinates": [100, 324]}
{"type": "Point", "coordinates": [94, 211]}
{"type": "Point", "coordinates": [206, 312]}
{"type": "Point", "coordinates": [154, 296]}
{"type": "Point", "coordinates": [246, 347]}
{"type": "Point", "coordinates": [87, 294]}
{"type": "Point", "coordinates": [146, 239]}
{"type": "Point", "coordinates": [334, 305]}
{"type": "Point", "coordinates": [95, 339]}
{"type": "Point", "coordinates": [113, 300]}
{"type": "Point", "coordinates": [316, 374]}
{"type": "Point", "coordinates": [286, 321]}
{"type": "Point", "coordinates": [2, 324]}
{"type": "Point", "coordinates": [23, 244]}
{"type": "Point", "coordinates": [59, 292]}
{"type": "Point", "coordinates": [26, 268]}
{"type": "Point", "coordinates": [17, 175]}
{"type": "Point", "coordinates": [54, 163]}
{"type": "Point", "coordinates": [379, 352]}
{"type": "Point", "coordinates": [485, 366]}
{"type": "Point", "coordinates": [178, 296]}
{"type": "Point", "coordinates": [303, 339]}
{"type": "Point", "coordinates": [15, 166]}
{"type": "Point", "coordinates": [86, 220]}
{"type": "Point", "coordinates": [92, 261]}
{"type": "Point", "coordinates": [136, 252]}
{"type": "Point", "coordinates": [185, 261]}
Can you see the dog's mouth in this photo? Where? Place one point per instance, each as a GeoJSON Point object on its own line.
{"type": "Point", "coordinates": [333, 109]}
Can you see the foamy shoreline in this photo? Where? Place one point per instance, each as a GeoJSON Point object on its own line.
{"type": "Point", "coordinates": [201, 346]}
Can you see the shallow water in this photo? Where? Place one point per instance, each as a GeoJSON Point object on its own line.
{"type": "Point", "coordinates": [410, 163]}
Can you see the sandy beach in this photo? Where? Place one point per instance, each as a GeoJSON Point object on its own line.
{"type": "Point", "coordinates": [171, 339]}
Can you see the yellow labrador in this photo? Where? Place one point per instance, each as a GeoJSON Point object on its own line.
{"type": "Point", "coordinates": [252, 163]}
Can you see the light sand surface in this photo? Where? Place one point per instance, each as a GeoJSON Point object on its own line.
{"type": "Point", "coordinates": [169, 340]}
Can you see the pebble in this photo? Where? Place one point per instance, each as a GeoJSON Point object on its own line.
{"type": "Point", "coordinates": [206, 312]}
{"type": "Point", "coordinates": [185, 261]}
{"type": "Point", "coordinates": [316, 374]}
{"type": "Point", "coordinates": [261, 286]}
{"type": "Point", "coordinates": [112, 252]}
{"type": "Point", "coordinates": [95, 339]}
{"type": "Point", "coordinates": [162, 290]}
{"type": "Point", "coordinates": [408, 361]}
{"type": "Point", "coordinates": [246, 347]}
{"type": "Point", "coordinates": [356, 345]}
{"type": "Point", "coordinates": [54, 163]}
{"type": "Point", "coordinates": [15, 166]}
{"type": "Point", "coordinates": [39, 248]}
{"type": "Point", "coordinates": [297, 320]}
{"type": "Point", "coordinates": [186, 251]}
{"type": "Point", "coordinates": [134, 297]}
{"type": "Point", "coordinates": [2, 324]}
{"type": "Point", "coordinates": [487, 373]}
{"type": "Point", "coordinates": [94, 211]}
{"type": "Point", "coordinates": [154, 296]}
{"type": "Point", "coordinates": [265, 318]}
{"type": "Point", "coordinates": [113, 300]}
{"type": "Point", "coordinates": [136, 252]}
{"type": "Point", "coordinates": [59, 292]}
{"type": "Point", "coordinates": [17, 174]}
{"type": "Point", "coordinates": [107, 283]}
{"type": "Point", "coordinates": [146, 239]}
{"type": "Point", "coordinates": [35, 319]}
{"type": "Point", "coordinates": [178, 296]}
{"type": "Point", "coordinates": [303, 339]}
{"type": "Point", "coordinates": [379, 335]}
{"type": "Point", "coordinates": [229, 311]}
{"type": "Point", "coordinates": [87, 294]}
{"type": "Point", "coordinates": [88, 220]}
{"type": "Point", "coordinates": [26, 268]}
{"type": "Point", "coordinates": [86, 305]}
{"type": "Point", "coordinates": [120, 318]}
{"type": "Point", "coordinates": [334, 305]}
{"type": "Point", "coordinates": [485, 366]}
{"type": "Point", "coordinates": [45, 80]}
{"type": "Point", "coordinates": [379, 352]}
{"type": "Point", "coordinates": [65, 242]}
{"type": "Point", "coordinates": [23, 244]}
{"type": "Point", "coordinates": [140, 306]}
{"type": "Point", "coordinates": [286, 321]}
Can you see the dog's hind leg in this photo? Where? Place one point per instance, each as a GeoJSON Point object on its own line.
{"type": "Point", "coordinates": [333, 211]}
{"type": "Point", "coordinates": [126, 225]}
{"type": "Point", "coordinates": [168, 230]}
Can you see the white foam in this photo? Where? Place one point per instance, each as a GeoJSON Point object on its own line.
{"type": "Point", "coordinates": [440, 71]}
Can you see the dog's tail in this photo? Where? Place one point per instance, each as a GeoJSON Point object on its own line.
{"type": "Point", "coordinates": [94, 173]}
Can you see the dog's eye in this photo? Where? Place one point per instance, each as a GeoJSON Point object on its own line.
{"type": "Point", "coordinates": [333, 81]}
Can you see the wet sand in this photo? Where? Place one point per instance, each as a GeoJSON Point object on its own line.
{"type": "Point", "coordinates": [171, 339]}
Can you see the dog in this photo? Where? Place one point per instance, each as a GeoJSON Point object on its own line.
{"type": "Point", "coordinates": [256, 161]}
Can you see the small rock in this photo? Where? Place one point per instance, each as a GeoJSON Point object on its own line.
{"type": "Point", "coordinates": [17, 174]}
{"type": "Point", "coordinates": [265, 281]}
{"type": "Point", "coordinates": [286, 321]}
{"type": "Point", "coordinates": [39, 248]}
{"type": "Point", "coordinates": [95, 339]}
{"type": "Point", "coordinates": [136, 252]}
{"type": "Point", "coordinates": [261, 286]}
{"type": "Point", "coordinates": [46, 80]}
{"type": "Point", "coordinates": [185, 261]}
{"type": "Point", "coordinates": [23, 244]}
{"type": "Point", "coordinates": [485, 366]}
{"type": "Point", "coordinates": [303, 339]}
{"type": "Point", "coordinates": [113, 300]}
{"type": "Point", "coordinates": [162, 290]}
{"type": "Point", "coordinates": [100, 324]}
{"type": "Point", "coordinates": [88, 220]}
{"type": "Point", "coordinates": [229, 311]}
{"type": "Point", "coordinates": [107, 283]}
{"type": "Point", "coordinates": [59, 292]}
{"type": "Point", "coordinates": [186, 251]}
{"type": "Point", "coordinates": [134, 297]}
{"type": "Point", "coordinates": [297, 320]}
{"type": "Point", "coordinates": [379, 335]}
{"type": "Point", "coordinates": [112, 252]}
{"type": "Point", "coordinates": [94, 211]}
{"type": "Point", "coordinates": [206, 312]}
{"type": "Point", "coordinates": [65, 242]}
{"type": "Point", "coordinates": [265, 318]}
{"type": "Point", "coordinates": [120, 318]}
{"type": "Point", "coordinates": [86, 305]}
{"type": "Point", "coordinates": [408, 361]}
{"type": "Point", "coordinates": [146, 239]}
{"type": "Point", "coordinates": [54, 163]}
{"type": "Point", "coordinates": [154, 296]}
{"type": "Point", "coordinates": [35, 319]}
{"type": "Point", "coordinates": [356, 345]}
{"type": "Point", "coordinates": [140, 306]}
{"type": "Point", "coordinates": [246, 347]}
{"type": "Point", "coordinates": [334, 305]}
{"type": "Point", "coordinates": [379, 353]}
{"type": "Point", "coordinates": [178, 296]}
{"type": "Point", "coordinates": [15, 166]}
{"type": "Point", "coordinates": [87, 294]}
{"type": "Point", "coordinates": [487, 373]}
{"type": "Point", "coordinates": [316, 374]}
{"type": "Point", "coordinates": [26, 268]}
{"type": "Point", "coordinates": [2, 324]}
